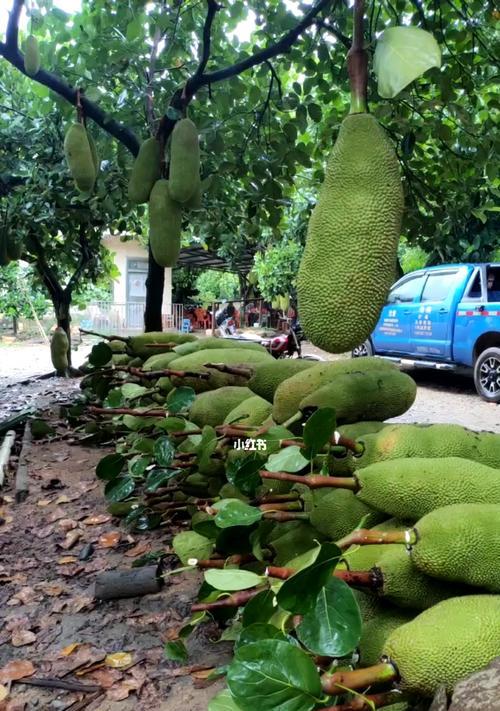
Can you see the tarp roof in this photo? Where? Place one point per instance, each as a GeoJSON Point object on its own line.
{"type": "Point", "coordinates": [199, 258]}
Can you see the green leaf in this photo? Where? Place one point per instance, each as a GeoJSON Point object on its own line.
{"type": "Point", "coordinates": [204, 524]}
{"type": "Point", "coordinates": [223, 702]}
{"type": "Point", "coordinates": [402, 55]}
{"type": "Point", "coordinates": [233, 512]}
{"type": "Point", "coordinates": [171, 424]}
{"type": "Point", "coordinates": [244, 473]}
{"type": "Point", "coordinates": [147, 521]}
{"type": "Point", "coordinates": [132, 390]}
{"type": "Point", "coordinates": [110, 466]}
{"type": "Point", "coordinates": [290, 459]}
{"type": "Point", "coordinates": [260, 608]}
{"type": "Point", "coordinates": [180, 399]}
{"type": "Point", "coordinates": [257, 632]}
{"type": "Point", "coordinates": [318, 430]}
{"type": "Point", "coordinates": [189, 544]}
{"type": "Point", "coordinates": [315, 112]}
{"type": "Point", "coordinates": [164, 451]}
{"type": "Point", "coordinates": [138, 465]}
{"type": "Point", "coordinates": [176, 651]}
{"type": "Point", "coordinates": [273, 675]}
{"type": "Point", "coordinates": [121, 508]}
{"type": "Point", "coordinates": [230, 579]}
{"type": "Point", "coordinates": [100, 355]}
{"type": "Point", "coordinates": [118, 489]}
{"type": "Point", "coordinates": [114, 399]}
{"type": "Point", "coordinates": [332, 627]}
{"type": "Point", "coordinates": [298, 594]}
{"type": "Point", "coordinates": [158, 477]}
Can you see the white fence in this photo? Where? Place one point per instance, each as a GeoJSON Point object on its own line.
{"type": "Point", "coordinates": [121, 319]}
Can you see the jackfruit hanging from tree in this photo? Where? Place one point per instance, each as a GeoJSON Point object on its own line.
{"type": "Point", "coordinates": [80, 157]}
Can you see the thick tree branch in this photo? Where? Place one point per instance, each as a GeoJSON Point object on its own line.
{"type": "Point", "coordinates": [344, 39]}
{"type": "Point", "coordinates": [85, 259]}
{"type": "Point", "coordinates": [213, 8]}
{"type": "Point", "coordinates": [12, 33]}
{"type": "Point", "coordinates": [150, 73]}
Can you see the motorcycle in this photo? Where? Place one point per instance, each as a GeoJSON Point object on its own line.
{"type": "Point", "coordinates": [281, 345]}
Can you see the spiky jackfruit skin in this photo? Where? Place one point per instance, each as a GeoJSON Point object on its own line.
{"type": "Point", "coordinates": [412, 488]}
{"type": "Point", "coordinates": [358, 429]}
{"type": "Point", "coordinates": [139, 345]}
{"type": "Point", "coordinates": [230, 356]}
{"type": "Point", "coordinates": [353, 396]}
{"type": "Point", "coordinates": [368, 603]}
{"type": "Point", "coordinates": [356, 221]}
{"type": "Point", "coordinates": [210, 408]}
{"type": "Point", "coordinates": [294, 389]}
{"type": "Point", "coordinates": [184, 161]}
{"type": "Point", "coordinates": [252, 411]}
{"type": "Point", "coordinates": [201, 344]}
{"type": "Point", "coordinates": [145, 171]}
{"type": "Point", "coordinates": [376, 631]}
{"type": "Point", "coordinates": [398, 441]}
{"type": "Point", "coordinates": [266, 378]}
{"type": "Point", "coordinates": [117, 346]}
{"type": "Point", "coordinates": [165, 225]}
{"type": "Point", "coordinates": [461, 543]}
{"type": "Point", "coordinates": [79, 157]}
{"type": "Point", "coordinates": [446, 643]}
{"type": "Point", "coordinates": [338, 512]}
{"type": "Point", "coordinates": [366, 557]}
{"type": "Point", "coordinates": [59, 346]}
{"type": "Point", "coordinates": [31, 56]}
{"type": "Point", "coordinates": [160, 361]}
{"type": "Point", "coordinates": [120, 359]}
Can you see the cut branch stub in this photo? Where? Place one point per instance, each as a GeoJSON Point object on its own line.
{"type": "Point", "coordinates": [314, 481]}
{"type": "Point", "coordinates": [339, 682]}
{"type": "Point", "coordinates": [370, 537]}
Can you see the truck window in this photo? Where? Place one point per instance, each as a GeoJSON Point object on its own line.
{"type": "Point", "coordinates": [493, 283]}
{"type": "Point", "coordinates": [407, 291]}
{"type": "Point", "coordinates": [438, 286]}
{"type": "Point", "coordinates": [474, 291]}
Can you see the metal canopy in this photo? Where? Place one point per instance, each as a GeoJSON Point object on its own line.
{"type": "Point", "coordinates": [198, 258]}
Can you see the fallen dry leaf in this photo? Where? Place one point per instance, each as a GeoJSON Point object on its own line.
{"type": "Point", "coordinates": [16, 670]}
{"type": "Point", "coordinates": [4, 692]}
{"type": "Point", "coordinates": [120, 691]}
{"type": "Point", "coordinates": [105, 677]}
{"type": "Point", "coordinates": [22, 637]}
{"type": "Point", "coordinates": [109, 540]}
{"type": "Point", "coordinates": [203, 673]}
{"type": "Point", "coordinates": [119, 660]}
{"type": "Point", "coordinates": [57, 515]}
{"type": "Point", "coordinates": [51, 589]}
{"type": "Point", "coordinates": [69, 649]}
{"type": "Point", "coordinates": [96, 520]}
{"type": "Point", "coordinates": [63, 499]}
{"type": "Point", "coordinates": [72, 538]}
{"type": "Point", "coordinates": [43, 502]}
{"type": "Point", "coordinates": [24, 597]}
{"type": "Point", "coordinates": [45, 532]}
{"type": "Point", "coordinates": [139, 549]}
{"type": "Point", "coordinates": [66, 560]}
{"type": "Point", "coordinates": [67, 524]}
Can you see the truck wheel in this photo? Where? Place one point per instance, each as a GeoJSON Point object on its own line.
{"type": "Point", "coordinates": [365, 349]}
{"type": "Point", "coordinates": [487, 375]}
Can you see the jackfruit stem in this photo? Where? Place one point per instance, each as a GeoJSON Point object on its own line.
{"type": "Point", "coordinates": [285, 506]}
{"type": "Point", "coordinates": [231, 369]}
{"type": "Point", "coordinates": [370, 537]}
{"type": "Point", "coordinates": [282, 516]}
{"type": "Point", "coordinates": [357, 63]}
{"type": "Point", "coordinates": [366, 702]}
{"type": "Point", "coordinates": [339, 682]}
{"type": "Point", "coordinates": [236, 600]}
{"type": "Point", "coordinates": [292, 420]}
{"type": "Point", "coordinates": [220, 563]}
{"type": "Point", "coordinates": [356, 578]}
{"type": "Point", "coordinates": [314, 481]}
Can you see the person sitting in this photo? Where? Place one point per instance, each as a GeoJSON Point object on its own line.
{"type": "Point", "coordinates": [493, 284]}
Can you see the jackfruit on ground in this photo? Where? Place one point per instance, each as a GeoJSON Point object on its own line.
{"type": "Point", "coordinates": [210, 408]}
{"type": "Point", "coordinates": [230, 356]}
{"type": "Point", "coordinates": [357, 429]}
{"type": "Point", "coordinates": [165, 225]}
{"type": "Point", "coordinates": [268, 376]}
{"type": "Point", "coordinates": [208, 342]}
{"type": "Point", "coordinates": [120, 359]}
{"type": "Point", "coordinates": [184, 172]}
{"type": "Point", "coordinates": [377, 629]}
{"type": "Point", "coordinates": [117, 346]}
{"type": "Point", "coordinates": [397, 441]}
{"type": "Point", "coordinates": [446, 643]}
{"type": "Point", "coordinates": [138, 345]}
{"type": "Point", "coordinates": [79, 157]}
{"type": "Point", "coordinates": [164, 384]}
{"type": "Point", "coordinates": [347, 267]}
{"type": "Point", "coordinates": [294, 389]}
{"type": "Point", "coordinates": [59, 346]}
{"type": "Point", "coordinates": [31, 56]}
{"type": "Point", "coordinates": [374, 396]}
{"type": "Point", "coordinates": [338, 512]}
{"type": "Point", "coordinates": [411, 488]}
{"type": "Point", "coordinates": [368, 603]}
{"type": "Point", "coordinates": [251, 411]}
{"type": "Point", "coordinates": [145, 171]}
{"type": "Point", "coordinates": [160, 361]}
{"type": "Point", "coordinates": [461, 543]}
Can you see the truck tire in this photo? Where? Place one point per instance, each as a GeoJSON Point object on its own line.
{"type": "Point", "coordinates": [487, 374]}
{"type": "Point", "coordinates": [365, 349]}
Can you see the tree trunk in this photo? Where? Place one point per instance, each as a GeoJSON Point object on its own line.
{"type": "Point", "coordinates": [63, 317]}
{"type": "Point", "coordinates": [14, 325]}
{"type": "Point", "coordinates": [154, 295]}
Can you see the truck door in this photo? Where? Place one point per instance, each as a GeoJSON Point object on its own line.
{"type": "Point", "coordinates": [432, 327]}
{"type": "Point", "coordinates": [392, 333]}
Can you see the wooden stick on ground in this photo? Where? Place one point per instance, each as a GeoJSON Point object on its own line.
{"type": "Point", "coordinates": [22, 485]}
{"type": "Point", "coordinates": [5, 450]}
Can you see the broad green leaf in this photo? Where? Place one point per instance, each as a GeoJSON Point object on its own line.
{"type": "Point", "coordinates": [204, 524]}
{"type": "Point", "coordinates": [189, 544]}
{"type": "Point", "coordinates": [121, 508]}
{"type": "Point", "coordinates": [110, 466]}
{"type": "Point", "coordinates": [260, 608]}
{"type": "Point", "coordinates": [298, 594]}
{"type": "Point", "coordinates": [402, 55]}
{"type": "Point", "coordinates": [171, 424]}
{"type": "Point", "coordinates": [147, 522]}
{"type": "Point", "coordinates": [223, 702]}
{"type": "Point", "coordinates": [290, 459]}
{"type": "Point", "coordinates": [318, 430]}
{"type": "Point", "coordinates": [230, 579]}
{"type": "Point", "coordinates": [138, 465]}
{"type": "Point", "coordinates": [180, 399]}
{"type": "Point", "coordinates": [100, 355]}
{"type": "Point", "coordinates": [114, 399]}
{"type": "Point", "coordinates": [273, 675]}
{"type": "Point", "coordinates": [158, 477]}
{"type": "Point", "coordinates": [244, 473]}
{"type": "Point", "coordinates": [233, 512]}
{"type": "Point", "coordinates": [132, 390]}
{"type": "Point", "coordinates": [119, 488]}
{"type": "Point", "coordinates": [332, 627]}
{"type": "Point", "coordinates": [176, 651]}
{"type": "Point", "coordinates": [257, 632]}
{"type": "Point", "coordinates": [164, 451]}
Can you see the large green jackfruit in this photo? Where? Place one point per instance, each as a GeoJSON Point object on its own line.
{"type": "Point", "coordinates": [446, 643]}
{"type": "Point", "coordinates": [398, 441]}
{"type": "Point", "coordinates": [336, 513]}
{"type": "Point", "coordinates": [165, 225]}
{"type": "Point", "coordinates": [145, 171]}
{"type": "Point", "coordinates": [140, 345]}
{"type": "Point", "coordinates": [59, 346]}
{"type": "Point", "coordinates": [376, 631]}
{"type": "Point", "coordinates": [461, 543]}
{"type": "Point", "coordinates": [184, 172]}
{"type": "Point", "coordinates": [230, 356]}
{"type": "Point", "coordinates": [347, 267]}
{"type": "Point", "coordinates": [211, 407]}
{"type": "Point", "coordinates": [31, 56]}
{"type": "Point", "coordinates": [374, 396]}
{"type": "Point", "coordinates": [293, 390]}
{"type": "Point", "coordinates": [79, 157]}
{"type": "Point", "coordinates": [252, 411]}
{"type": "Point", "coordinates": [268, 376]}
{"type": "Point", "coordinates": [160, 361]}
{"type": "Point", "coordinates": [201, 344]}
{"type": "Point", "coordinates": [358, 429]}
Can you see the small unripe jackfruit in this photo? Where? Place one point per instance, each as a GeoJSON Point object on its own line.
{"type": "Point", "coordinates": [165, 224]}
{"type": "Point", "coordinates": [184, 175]}
{"type": "Point", "coordinates": [59, 346]}
{"type": "Point", "coordinates": [79, 157]}
{"type": "Point", "coordinates": [31, 56]}
{"type": "Point", "coordinates": [145, 171]}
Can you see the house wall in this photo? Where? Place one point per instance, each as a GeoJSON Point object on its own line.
{"type": "Point", "coordinates": [133, 250]}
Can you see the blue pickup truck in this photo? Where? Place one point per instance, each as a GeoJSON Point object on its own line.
{"type": "Point", "coordinates": [445, 317]}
